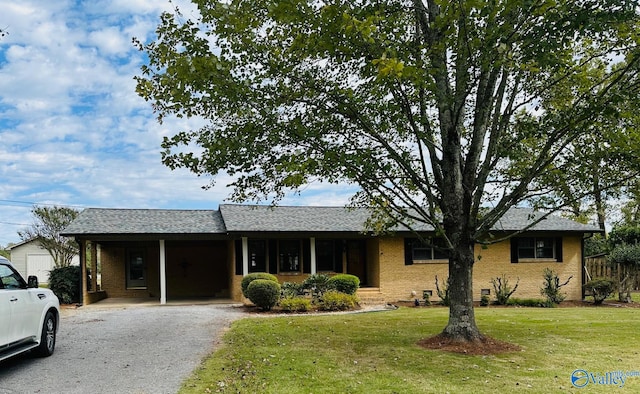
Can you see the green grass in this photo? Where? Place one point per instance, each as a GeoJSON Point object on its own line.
{"type": "Point", "coordinates": [377, 353]}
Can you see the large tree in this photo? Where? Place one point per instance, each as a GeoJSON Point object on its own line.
{"type": "Point", "coordinates": [442, 112]}
{"type": "Point", "coordinates": [48, 222]}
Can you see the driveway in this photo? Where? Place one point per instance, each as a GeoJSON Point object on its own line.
{"type": "Point", "coordinates": [137, 349]}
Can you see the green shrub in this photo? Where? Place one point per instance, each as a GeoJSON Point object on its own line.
{"type": "Point", "coordinates": [65, 283]}
{"type": "Point", "coordinates": [291, 289]}
{"type": "Point", "coordinates": [253, 276]}
{"type": "Point", "coordinates": [295, 304]}
{"type": "Point", "coordinates": [427, 298]}
{"type": "Point", "coordinates": [551, 287]}
{"type": "Point", "coordinates": [502, 289]}
{"type": "Point", "coordinates": [333, 300]}
{"type": "Point", "coordinates": [443, 293]}
{"type": "Point", "coordinates": [600, 289]}
{"type": "Point", "coordinates": [345, 283]}
{"type": "Point", "coordinates": [484, 300]}
{"type": "Point", "coordinates": [317, 285]}
{"type": "Point", "coordinates": [530, 302]}
{"type": "Point", "coordinates": [264, 293]}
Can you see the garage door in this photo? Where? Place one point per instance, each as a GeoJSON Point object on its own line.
{"type": "Point", "coordinates": [39, 265]}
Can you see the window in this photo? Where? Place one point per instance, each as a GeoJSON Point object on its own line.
{"type": "Point", "coordinates": [429, 250]}
{"type": "Point", "coordinates": [536, 248]}
{"type": "Point", "coordinates": [328, 255]}
{"type": "Point", "coordinates": [257, 256]}
{"type": "Point", "coordinates": [136, 270]}
{"type": "Point", "coordinates": [9, 279]}
{"type": "Point", "coordinates": [289, 256]}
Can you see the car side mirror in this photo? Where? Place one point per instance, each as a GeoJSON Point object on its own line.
{"type": "Point", "coordinates": [32, 282]}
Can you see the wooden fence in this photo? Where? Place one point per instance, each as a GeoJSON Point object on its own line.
{"type": "Point", "coordinates": [599, 267]}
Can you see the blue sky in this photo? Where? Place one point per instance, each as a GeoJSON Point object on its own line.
{"type": "Point", "coordinates": [72, 130]}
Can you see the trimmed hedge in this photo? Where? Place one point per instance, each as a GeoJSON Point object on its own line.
{"type": "Point", "coordinates": [345, 283]}
{"type": "Point", "coordinates": [333, 300]}
{"type": "Point", "coordinates": [253, 276]}
{"type": "Point", "coordinates": [295, 304]}
{"type": "Point", "coordinates": [264, 293]}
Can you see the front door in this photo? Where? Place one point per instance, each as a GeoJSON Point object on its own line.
{"type": "Point", "coordinates": [136, 269]}
{"type": "Point", "coordinates": [357, 260]}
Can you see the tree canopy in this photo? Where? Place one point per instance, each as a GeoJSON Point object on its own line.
{"type": "Point", "coordinates": [446, 113]}
{"type": "Point", "coordinates": [46, 228]}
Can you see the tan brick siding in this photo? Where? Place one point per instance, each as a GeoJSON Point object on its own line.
{"type": "Point", "coordinates": [397, 281]}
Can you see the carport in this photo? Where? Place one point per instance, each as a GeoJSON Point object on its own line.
{"type": "Point", "coordinates": [154, 254]}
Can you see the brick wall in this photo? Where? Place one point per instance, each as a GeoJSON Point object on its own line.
{"type": "Point", "coordinates": [397, 281]}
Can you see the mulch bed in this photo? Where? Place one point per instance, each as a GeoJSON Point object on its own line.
{"type": "Point", "coordinates": [485, 346]}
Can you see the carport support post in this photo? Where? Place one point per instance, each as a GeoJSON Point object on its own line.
{"type": "Point", "coordinates": [163, 274]}
{"type": "Point", "coordinates": [313, 255]}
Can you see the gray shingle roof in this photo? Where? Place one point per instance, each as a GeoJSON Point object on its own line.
{"type": "Point", "coordinates": [519, 218]}
{"type": "Point", "coordinates": [293, 219]}
{"type": "Point", "coordinates": [251, 218]}
{"type": "Point", "coordinates": [146, 221]}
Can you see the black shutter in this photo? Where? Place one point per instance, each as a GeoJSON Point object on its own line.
{"type": "Point", "coordinates": [306, 256]}
{"type": "Point", "coordinates": [408, 251]}
{"type": "Point", "coordinates": [273, 256]}
{"type": "Point", "coordinates": [514, 250]}
{"type": "Point", "coordinates": [559, 249]}
{"type": "Point", "coordinates": [337, 253]}
{"type": "Point", "coordinates": [238, 244]}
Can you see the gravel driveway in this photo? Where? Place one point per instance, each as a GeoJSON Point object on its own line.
{"type": "Point", "coordinates": [144, 349]}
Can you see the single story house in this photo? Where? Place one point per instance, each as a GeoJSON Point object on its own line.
{"type": "Point", "coordinates": [173, 254]}
{"type": "Point", "coordinates": [30, 258]}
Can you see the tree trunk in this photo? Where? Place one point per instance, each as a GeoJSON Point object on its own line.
{"type": "Point", "coordinates": [462, 321]}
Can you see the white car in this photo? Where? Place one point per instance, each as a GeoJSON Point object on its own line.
{"type": "Point", "coordinates": [29, 315]}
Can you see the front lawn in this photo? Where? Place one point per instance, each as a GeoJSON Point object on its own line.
{"type": "Point", "coordinates": [377, 353]}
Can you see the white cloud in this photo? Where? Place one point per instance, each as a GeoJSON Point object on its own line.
{"type": "Point", "coordinates": [72, 129]}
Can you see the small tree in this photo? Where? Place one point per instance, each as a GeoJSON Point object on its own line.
{"type": "Point", "coordinates": [627, 259]}
{"type": "Point", "coordinates": [443, 293]}
{"type": "Point", "coordinates": [502, 289]}
{"type": "Point", "coordinates": [46, 228]}
{"type": "Point", "coordinates": [552, 285]}
{"type": "Point", "coordinates": [600, 289]}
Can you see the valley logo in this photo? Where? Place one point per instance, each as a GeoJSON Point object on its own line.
{"type": "Point", "coordinates": [581, 378]}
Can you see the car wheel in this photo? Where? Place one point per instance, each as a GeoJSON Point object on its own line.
{"type": "Point", "coordinates": [48, 336]}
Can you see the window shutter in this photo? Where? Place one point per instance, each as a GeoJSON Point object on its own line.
{"type": "Point", "coordinates": [408, 251]}
{"type": "Point", "coordinates": [306, 256]}
{"type": "Point", "coordinates": [273, 256]}
{"type": "Point", "coordinates": [514, 250]}
{"type": "Point", "coordinates": [238, 244]}
{"type": "Point", "coordinates": [559, 249]}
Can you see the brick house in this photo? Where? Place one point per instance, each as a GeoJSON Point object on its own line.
{"type": "Point", "coordinates": [173, 254]}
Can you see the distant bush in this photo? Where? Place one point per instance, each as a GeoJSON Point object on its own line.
{"type": "Point", "coordinates": [317, 285]}
{"type": "Point", "coordinates": [551, 286]}
{"type": "Point", "coordinates": [484, 300]}
{"type": "Point", "coordinates": [295, 304]}
{"type": "Point", "coordinates": [333, 300]}
{"type": "Point", "coordinates": [253, 276]}
{"type": "Point", "coordinates": [600, 289]}
{"type": "Point", "coordinates": [264, 293]}
{"type": "Point", "coordinates": [530, 302]}
{"type": "Point", "coordinates": [65, 283]}
{"type": "Point", "coordinates": [344, 283]}
{"type": "Point", "coordinates": [502, 289]}
{"type": "Point", "coordinates": [443, 293]}
{"type": "Point", "coordinates": [291, 289]}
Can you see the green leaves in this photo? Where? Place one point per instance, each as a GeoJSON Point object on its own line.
{"type": "Point", "coordinates": [436, 106]}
